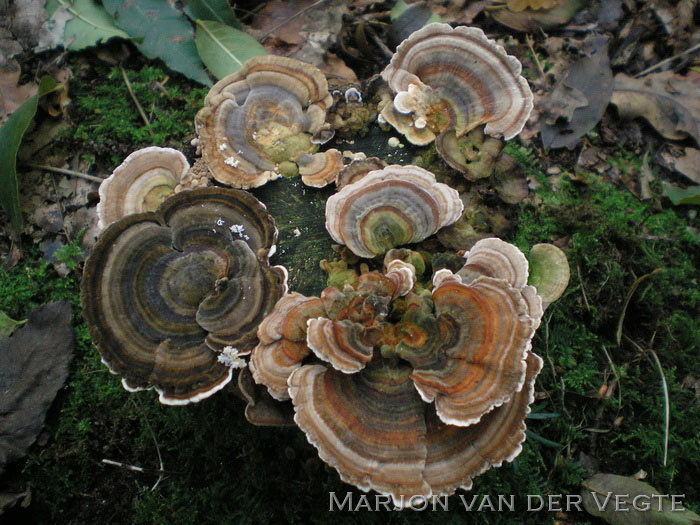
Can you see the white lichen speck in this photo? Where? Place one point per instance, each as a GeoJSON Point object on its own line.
{"type": "Point", "coordinates": [230, 161]}
{"type": "Point", "coordinates": [239, 229]}
{"type": "Point", "coordinates": [229, 357]}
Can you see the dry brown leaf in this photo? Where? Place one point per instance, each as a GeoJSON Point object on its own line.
{"type": "Point", "coordinates": [688, 164]}
{"type": "Point", "coordinates": [9, 47]}
{"type": "Point", "coordinates": [12, 95]}
{"type": "Point", "coordinates": [26, 20]}
{"type": "Point", "coordinates": [520, 5]}
{"type": "Point", "coordinates": [669, 102]}
{"type": "Point", "coordinates": [532, 20]}
{"type": "Point", "coordinates": [304, 30]}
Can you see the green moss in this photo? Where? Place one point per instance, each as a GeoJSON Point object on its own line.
{"type": "Point", "coordinates": [613, 238]}
{"type": "Point", "coordinates": [107, 120]}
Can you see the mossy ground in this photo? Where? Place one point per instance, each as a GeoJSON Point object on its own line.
{"type": "Point", "coordinates": [219, 469]}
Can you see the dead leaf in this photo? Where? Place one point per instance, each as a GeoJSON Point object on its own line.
{"type": "Point", "coordinates": [26, 20]}
{"type": "Point", "coordinates": [9, 47]}
{"type": "Point", "coordinates": [691, 383]}
{"type": "Point", "coordinates": [304, 30]}
{"type": "Point", "coordinates": [33, 367]}
{"type": "Point", "coordinates": [531, 20]}
{"type": "Point", "coordinates": [688, 164]}
{"type": "Point", "coordinates": [605, 494]}
{"type": "Point", "coordinates": [12, 499]}
{"type": "Point", "coordinates": [13, 95]}
{"type": "Point", "coordinates": [669, 102]}
{"type": "Point", "coordinates": [579, 99]}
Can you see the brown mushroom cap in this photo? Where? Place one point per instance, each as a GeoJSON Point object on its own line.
{"type": "Point", "coordinates": [265, 121]}
{"type": "Point", "coordinates": [390, 207]}
{"type": "Point", "coordinates": [370, 427]}
{"type": "Point", "coordinates": [282, 346]}
{"type": "Point", "coordinates": [455, 79]}
{"type": "Point", "coordinates": [456, 455]}
{"type": "Point", "coordinates": [165, 292]}
{"type": "Point", "coordinates": [357, 169]}
{"type": "Point", "coordinates": [494, 257]}
{"type": "Point", "coordinates": [145, 179]}
{"type": "Point", "coordinates": [373, 428]}
{"type": "Point", "coordinates": [486, 333]}
{"type": "Point", "coordinates": [406, 392]}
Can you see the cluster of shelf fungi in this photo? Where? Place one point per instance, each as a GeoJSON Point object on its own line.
{"type": "Point", "coordinates": [407, 383]}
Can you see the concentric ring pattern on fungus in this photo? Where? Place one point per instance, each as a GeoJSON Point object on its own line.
{"type": "Point", "coordinates": [165, 293]}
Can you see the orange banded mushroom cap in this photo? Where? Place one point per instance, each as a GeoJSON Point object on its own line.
{"type": "Point", "coordinates": [455, 79]}
{"type": "Point", "coordinates": [282, 346]}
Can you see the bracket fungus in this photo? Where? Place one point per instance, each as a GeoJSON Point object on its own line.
{"type": "Point", "coordinates": [447, 79]}
{"type": "Point", "coordinates": [174, 297]}
{"type": "Point", "coordinates": [266, 121]}
{"type": "Point", "coordinates": [407, 392]}
{"type": "Point", "coordinates": [390, 207]}
{"type": "Point", "coordinates": [145, 179]}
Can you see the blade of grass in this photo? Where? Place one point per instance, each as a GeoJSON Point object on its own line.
{"type": "Point", "coordinates": [630, 293]}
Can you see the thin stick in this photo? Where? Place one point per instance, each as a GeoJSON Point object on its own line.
{"type": "Point", "coordinates": [688, 51]}
{"type": "Point", "coordinates": [529, 40]}
{"type": "Point", "coordinates": [264, 37]}
{"type": "Point", "coordinates": [583, 289]}
{"type": "Point", "coordinates": [65, 172]}
{"type": "Point", "coordinates": [136, 101]}
{"type": "Point", "coordinates": [126, 466]}
{"type": "Point", "coordinates": [375, 38]}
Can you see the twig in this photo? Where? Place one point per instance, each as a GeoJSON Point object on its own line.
{"type": "Point", "coordinates": [375, 38]}
{"type": "Point", "coordinates": [301, 12]}
{"type": "Point", "coordinates": [65, 172]}
{"type": "Point", "coordinates": [529, 41]}
{"type": "Point", "coordinates": [688, 51]}
{"type": "Point", "coordinates": [583, 290]}
{"type": "Point", "coordinates": [126, 466]}
{"type": "Point", "coordinates": [136, 101]}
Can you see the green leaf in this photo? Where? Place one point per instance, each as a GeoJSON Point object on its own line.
{"type": "Point", "coordinates": [11, 134]}
{"type": "Point", "coordinates": [400, 7]}
{"type": "Point", "coordinates": [8, 325]}
{"type": "Point", "coordinates": [216, 10]}
{"type": "Point", "coordinates": [224, 49]}
{"type": "Point", "coordinates": [606, 495]}
{"type": "Point", "coordinates": [89, 25]}
{"type": "Point", "coordinates": [678, 195]}
{"type": "Point", "coordinates": [397, 10]}
{"type": "Point", "coordinates": [164, 33]}
{"type": "Point", "coordinates": [546, 442]}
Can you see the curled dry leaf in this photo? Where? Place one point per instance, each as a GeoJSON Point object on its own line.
{"type": "Point", "coordinates": [669, 102]}
{"type": "Point", "coordinates": [531, 19]}
{"type": "Point", "coordinates": [605, 494]}
{"type": "Point", "coordinates": [33, 367]}
{"type": "Point", "coordinates": [580, 98]}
